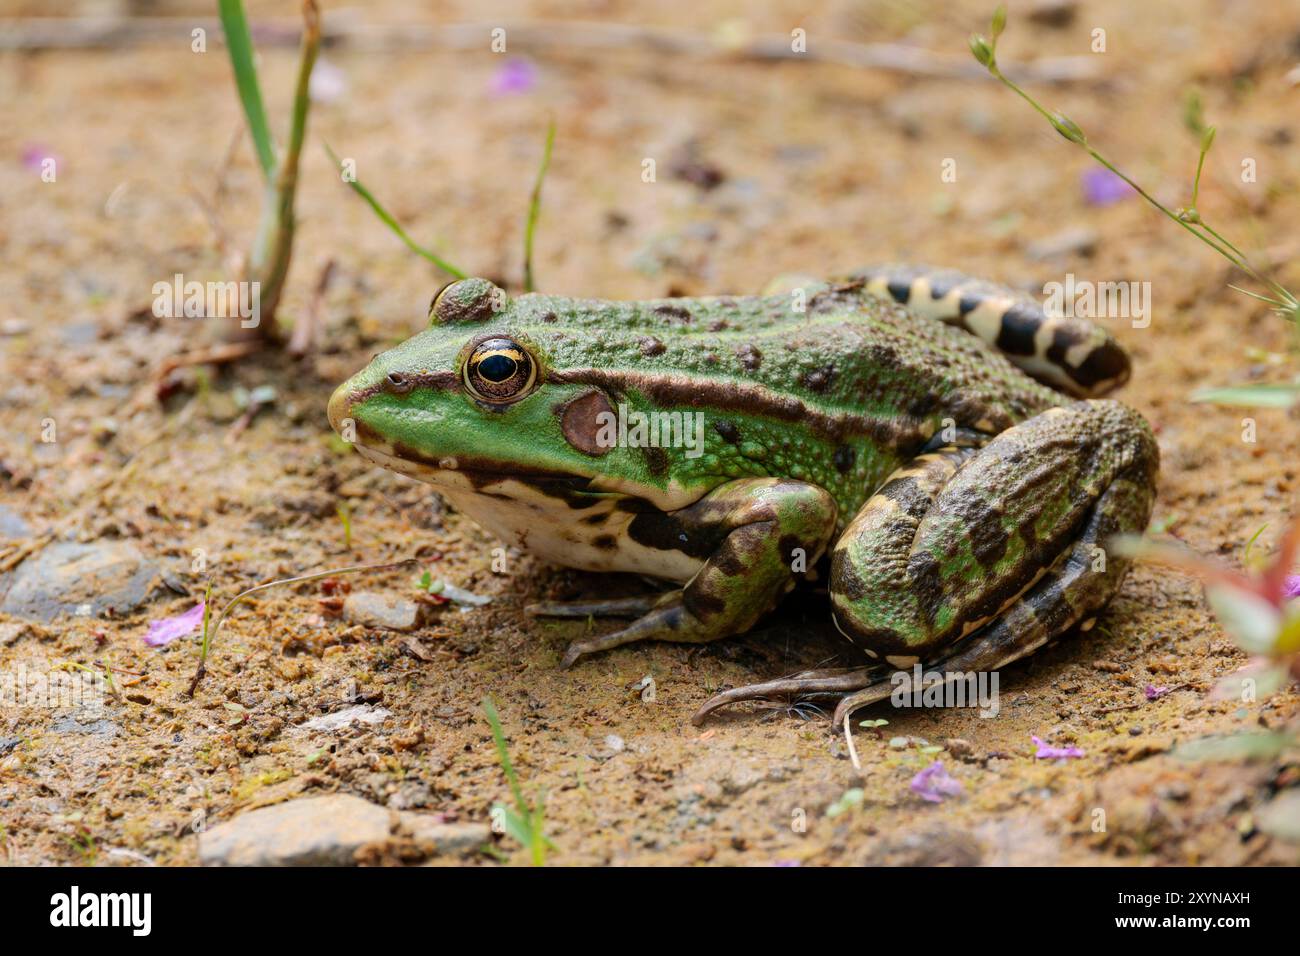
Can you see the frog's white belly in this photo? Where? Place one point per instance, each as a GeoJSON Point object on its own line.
{"type": "Point", "coordinates": [526, 518]}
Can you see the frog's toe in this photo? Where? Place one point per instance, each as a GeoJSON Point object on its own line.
{"type": "Point", "coordinates": [610, 607]}
{"type": "Point", "coordinates": [808, 685]}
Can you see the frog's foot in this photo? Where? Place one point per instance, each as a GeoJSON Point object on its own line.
{"type": "Point", "coordinates": [759, 535]}
{"type": "Point", "coordinates": [610, 607]}
{"type": "Point", "coordinates": [968, 561]}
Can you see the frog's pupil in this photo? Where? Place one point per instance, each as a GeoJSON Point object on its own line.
{"type": "Point", "coordinates": [497, 368]}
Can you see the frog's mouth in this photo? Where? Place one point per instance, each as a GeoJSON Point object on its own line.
{"type": "Point", "coordinates": [489, 479]}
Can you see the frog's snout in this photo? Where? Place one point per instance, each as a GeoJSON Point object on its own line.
{"type": "Point", "coordinates": [340, 406]}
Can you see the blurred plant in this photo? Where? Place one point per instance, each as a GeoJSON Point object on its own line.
{"type": "Point", "coordinates": [526, 821]}
{"type": "Point", "coordinates": [1282, 300]}
{"type": "Point", "coordinates": [268, 262]}
{"type": "Point", "coordinates": [1258, 607]}
{"type": "Point", "coordinates": [388, 219]}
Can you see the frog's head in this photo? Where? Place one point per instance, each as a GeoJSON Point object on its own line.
{"type": "Point", "coordinates": [483, 397]}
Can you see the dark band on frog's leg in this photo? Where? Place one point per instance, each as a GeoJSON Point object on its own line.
{"type": "Point", "coordinates": [1068, 353]}
{"type": "Point", "coordinates": [767, 529]}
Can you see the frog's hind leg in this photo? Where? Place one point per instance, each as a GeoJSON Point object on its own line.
{"type": "Point", "coordinates": [974, 570]}
{"type": "Point", "coordinates": [1068, 353]}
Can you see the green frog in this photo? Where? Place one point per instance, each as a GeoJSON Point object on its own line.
{"type": "Point", "coordinates": [933, 443]}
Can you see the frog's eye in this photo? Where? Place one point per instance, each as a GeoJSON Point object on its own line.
{"type": "Point", "coordinates": [499, 371]}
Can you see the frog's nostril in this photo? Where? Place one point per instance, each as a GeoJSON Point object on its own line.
{"type": "Point", "coordinates": [398, 382]}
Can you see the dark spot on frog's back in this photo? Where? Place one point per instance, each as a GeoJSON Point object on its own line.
{"type": "Point", "coordinates": [675, 312]}
{"type": "Point", "coordinates": [728, 431]}
{"type": "Point", "coordinates": [750, 357]}
{"type": "Point", "coordinates": [819, 379]}
{"type": "Point", "coordinates": [983, 527]}
{"type": "Point", "coordinates": [656, 459]}
{"type": "Point", "coordinates": [845, 458]}
{"type": "Point", "coordinates": [651, 346]}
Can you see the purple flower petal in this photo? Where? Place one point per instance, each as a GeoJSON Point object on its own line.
{"type": "Point", "coordinates": [1155, 693]}
{"type": "Point", "coordinates": [1101, 187]}
{"type": "Point", "coordinates": [1292, 588]}
{"type": "Point", "coordinates": [162, 633]}
{"type": "Point", "coordinates": [933, 784]}
{"type": "Point", "coordinates": [1046, 752]}
{"type": "Point", "coordinates": [514, 76]}
{"type": "Point", "coordinates": [35, 155]}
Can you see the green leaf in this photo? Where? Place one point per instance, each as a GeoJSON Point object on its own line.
{"type": "Point", "coordinates": [1263, 395]}
{"type": "Point", "coordinates": [1248, 746]}
{"type": "Point", "coordinates": [387, 219]}
{"type": "Point", "coordinates": [239, 42]}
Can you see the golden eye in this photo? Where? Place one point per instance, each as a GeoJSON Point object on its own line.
{"type": "Point", "coordinates": [499, 371]}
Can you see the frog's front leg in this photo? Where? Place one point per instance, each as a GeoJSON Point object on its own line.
{"type": "Point", "coordinates": [760, 534]}
{"type": "Point", "coordinates": [969, 560]}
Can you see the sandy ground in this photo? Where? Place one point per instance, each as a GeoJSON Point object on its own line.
{"type": "Point", "coordinates": [820, 168]}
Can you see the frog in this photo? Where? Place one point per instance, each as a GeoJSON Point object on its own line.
{"type": "Point", "coordinates": [933, 449]}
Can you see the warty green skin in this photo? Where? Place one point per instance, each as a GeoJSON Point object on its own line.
{"type": "Point", "coordinates": [811, 399]}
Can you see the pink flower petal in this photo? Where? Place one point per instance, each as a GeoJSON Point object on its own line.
{"type": "Point", "coordinates": [162, 633]}
{"type": "Point", "coordinates": [1292, 588]}
{"type": "Point", "coordinates": [933, 784]}
{"type": "Point", "coordinates": [1155, 693]}
{"type": "Point", "coordinates": [1046, 752]}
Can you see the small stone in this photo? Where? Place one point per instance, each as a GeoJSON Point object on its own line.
{"type": "Point", "coordinates": [312, 831]}
{"type": "Point", "coordinates": [1053, 13]}
{"type": "Point", "coordinates": [614, 743]}
{"type": "Point", "coordinates": [71, 725]}
{"type": "Point", "coordinates": [388, 611]}
{"type": "Point", "coordinates": [11, 632]}
{"type": "Point", "coordinates": [12, 525]}
{"type": "Point", "coordinates": [959, 748]}
{"type": "Point", "coordinates": [1280, 817]}
{"type": "Point", "coordinates": [433, 835]}
{"type": "Point", "coordinates": [1078, 241]}
{"type": "Point", "coordinates": [898, 743]}
{"type": "Point", "coordinates": [363, 714]}
{"type": "Point", "coordinates": [68, 578]}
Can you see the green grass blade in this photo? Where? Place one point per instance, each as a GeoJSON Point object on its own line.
{"type": "Point", "coordinates": [239, 42]}
{"type": "Point", "coordinates": [1251, 396]}
{"type": "Point", "coordinates": [503, 755]}
{"type": "Point", "coordinates": [534, 207]}
{"type": "Point", "coordinates": [387, 219]}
